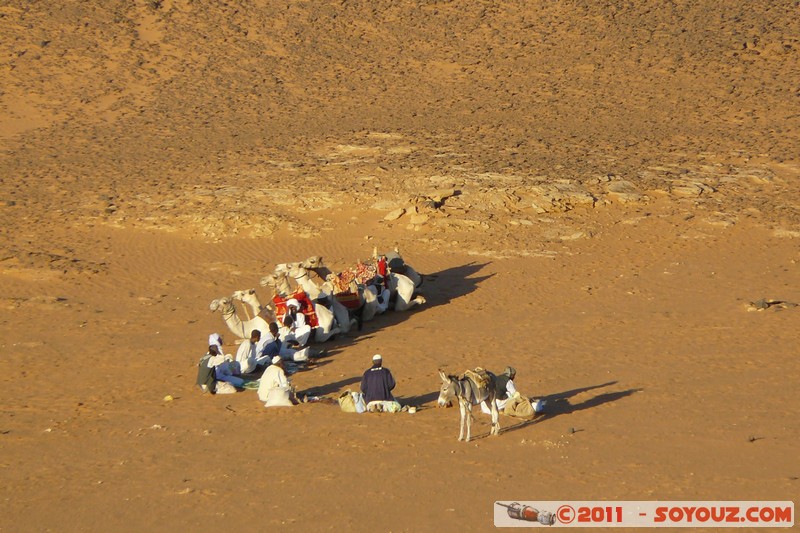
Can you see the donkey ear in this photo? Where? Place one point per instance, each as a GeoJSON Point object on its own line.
{"type": "Point", "coordinates": [443, 376]}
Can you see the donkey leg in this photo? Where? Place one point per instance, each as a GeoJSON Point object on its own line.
{"type": "Point", "coordinates": [463, 415]}
{"type": "Point", "coordinates": [468, 411]}
{"type": "Point", "coordinates": [495, 419]}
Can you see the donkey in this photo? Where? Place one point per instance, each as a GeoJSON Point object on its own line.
{"type": "Point", "coordinates": [469, 393]}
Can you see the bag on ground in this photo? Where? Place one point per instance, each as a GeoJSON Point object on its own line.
{"type": "Point", "coordinates": [279, 397]}
{"type": "Point", "coordinates": [519, 406]}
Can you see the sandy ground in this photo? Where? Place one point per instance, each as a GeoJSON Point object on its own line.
{"type": "Point", "coordinates": [594, 194]}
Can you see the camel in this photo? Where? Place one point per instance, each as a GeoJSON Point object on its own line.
{"type": "Point", "coordinates": [238, 327]}
{"type": "Point", "coordinates": [326, 327]}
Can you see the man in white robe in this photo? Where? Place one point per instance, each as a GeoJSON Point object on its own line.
{"type": "Point", "coordinates": [248, 355]}
{"type": "Point", "coordinates": [274, 389]}
{"type": "Point", "coordinates": [294, 323]}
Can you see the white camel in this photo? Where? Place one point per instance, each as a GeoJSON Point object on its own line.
{"type": "Point", "coordinates": [240, 328]}
{"type": "Point", "coordinates": [326, 327]}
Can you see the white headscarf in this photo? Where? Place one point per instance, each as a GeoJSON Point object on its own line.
{"type": "Point", "coordinates": [215, 340]}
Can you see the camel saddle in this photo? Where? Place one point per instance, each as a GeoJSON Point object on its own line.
{"type": "Point", "coordinates": [306, 307]}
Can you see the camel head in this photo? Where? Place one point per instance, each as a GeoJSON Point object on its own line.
{"type": "Point", "coordinates": [284, 268]}
{"type": "Point", "coordinates": [315, 261]}
{"type": "Point", "coordinates": [375, 252]}
{"type": "Point", "coordinates": [243, 295]}
{"type": "Point", "coordinates": [278, 282]}
{"type": "Point", "coordinates": [221, 303]}
{"type": "Point", "coordinates": [270, 280]}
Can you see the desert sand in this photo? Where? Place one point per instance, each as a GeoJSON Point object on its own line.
{"type": "Point", "coordinates": [595, 193]}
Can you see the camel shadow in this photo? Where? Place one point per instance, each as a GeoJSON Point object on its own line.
{"type": "Point", "coordinates": [441, 288]}
{"type": "Point", "coordinates": [558, 404]}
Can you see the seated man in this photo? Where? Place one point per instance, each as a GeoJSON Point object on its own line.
{"type": "Point", "coordinates": [294, 323]}
{"type": "Point", "coordinates": [248, 356]}
{"type": "Point", "coordinates": [376, 385]}
{"type": "Point", "coordinates": [505, 388]}
{"type": "Point", "coordinates": [274, 389]}
{"type": "Point", "coordinates": [224, 367]}
{"type": "Point", "coordinates": [288, 350]}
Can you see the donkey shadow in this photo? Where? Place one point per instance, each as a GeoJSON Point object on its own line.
{"type": "Point", "coordinates": [558, 404]}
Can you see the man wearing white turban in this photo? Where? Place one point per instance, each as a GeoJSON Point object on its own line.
{"type": "Point", "coordinates": [294, 323]}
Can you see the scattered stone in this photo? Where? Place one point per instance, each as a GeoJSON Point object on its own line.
{"type": "Point", "coordinates": [765, 303]}
{"type": "Point", "coordinates": [441, 195]}
{"type": "Point", "coordinates": [394, 215]}
{"type": "Point", "coordinates": [419, 219]}
{"type": "Point", "coordinates": [624, 192]}
{"type": "Point", "coordinates": [690, 189]}
{"type": "Point", "coordinates": [792, 234]}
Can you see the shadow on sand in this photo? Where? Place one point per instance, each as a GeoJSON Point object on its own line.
{"type": "Point", "coordinates": [558, 404]}
{"type": "Point", "coordinates": [420, 400]}
{"type": "Point", "coordinates": [439, 288]}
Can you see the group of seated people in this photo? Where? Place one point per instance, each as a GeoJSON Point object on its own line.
{"type": "Point", "coordinates": [224, 373]}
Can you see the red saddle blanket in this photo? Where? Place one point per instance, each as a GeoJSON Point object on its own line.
{"type": "Point", "coordinates": [363, 273]}
{"type": "Point", "coordinates": [306, 307]}
{"type": "Point", "coordinates": [350, 300]}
